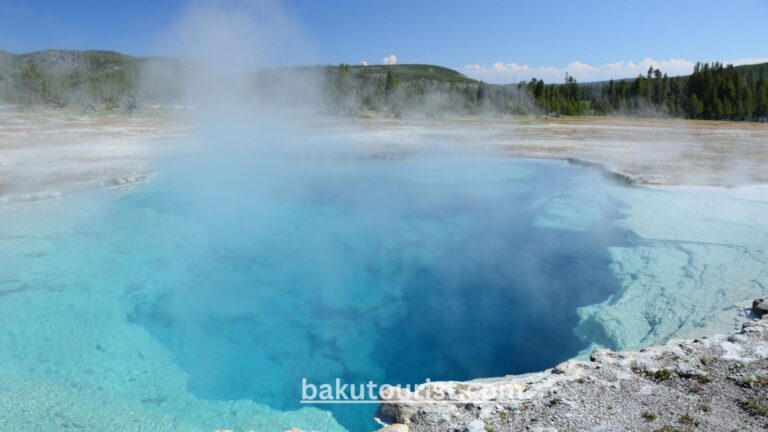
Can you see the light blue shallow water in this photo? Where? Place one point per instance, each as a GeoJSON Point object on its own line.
{"type": "Point", "coordinates": [391, 271]}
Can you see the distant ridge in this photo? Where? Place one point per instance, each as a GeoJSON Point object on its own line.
{"type": "Point", "coordinates": [65, 77]}
{"type": "Point", "coordinates": [757, 68]}
{"type": "Point", "coordinates": [404, 72]}
{"type": "Point", "coordinates": [416, 71]}
{"type": "Point", "coordinates": [110, 80]}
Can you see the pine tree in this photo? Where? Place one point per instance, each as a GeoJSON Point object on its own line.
{"type": "Point", "coordinates": [392, 81]}
{"type": "Point", "coordinates": [695, 108]}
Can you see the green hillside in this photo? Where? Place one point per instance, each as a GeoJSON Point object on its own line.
{"type": "Point", "coordinates": [93, 78]}
{"type": "Point", "coordinates": [755, 69]}
{"type": "Point", "coordinates": [108, 79]}
{"type": "Point", "coordinates": [404, 72]}
{"type": "Point", "coordinates": [411, 72]}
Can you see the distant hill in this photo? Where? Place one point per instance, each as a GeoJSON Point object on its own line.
{"type": "Point", "coordinates": [107, 79]}
{"type": "Point", "coordinates": [755, 69]}
{"type": "Point", "coordinates": [110, 80]}
{"type": "Point", "coordinates": [61, 77]}
{"type": "Point", "coordinates": [412, 72]}
{"type": "Point", "coordinates": [404, 72]}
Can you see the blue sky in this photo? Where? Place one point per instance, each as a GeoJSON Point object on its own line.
{"type": "Point", "coordinates": [491, 39]}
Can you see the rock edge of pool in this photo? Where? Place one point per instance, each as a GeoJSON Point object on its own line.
{"type": "Point", "coordinates": [715, 383]}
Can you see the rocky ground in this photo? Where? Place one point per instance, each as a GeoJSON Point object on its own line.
{"type": "Point", "coordinates": [718, 383]}
{"type": "Point", "coordinates": [47, 153]}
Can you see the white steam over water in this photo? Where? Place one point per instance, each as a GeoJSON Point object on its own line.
{"type": "Point", "coordinates": [237, 36]}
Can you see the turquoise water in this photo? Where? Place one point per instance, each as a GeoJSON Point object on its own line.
{"type": "Point", "coordinates": [258, 275]}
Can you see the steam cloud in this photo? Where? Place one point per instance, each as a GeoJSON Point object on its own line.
{"type": "Point", "coordinates": [237, 35]}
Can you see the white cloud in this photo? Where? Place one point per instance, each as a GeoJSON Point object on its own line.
{"type": "Point", "coordinates": [363, 63]}
{"type": "Point", "coordinates": [514, 72]}
{"type": "Point", "coordinates": [389, 60]}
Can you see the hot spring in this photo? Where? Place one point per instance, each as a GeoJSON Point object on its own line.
{"type": "Point", "coordinates": [201, 303]}
{"type": "Point", "coordinates": [394, 271]}
{"type": "Point", "coordinates": [391, 271]}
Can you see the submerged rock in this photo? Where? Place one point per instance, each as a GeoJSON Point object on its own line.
{"type": "Point", "coordinates": [89, 107]}
{"type": "Point", "coordinates": [760, 307]}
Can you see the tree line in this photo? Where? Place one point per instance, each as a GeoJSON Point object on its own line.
{"type": "Point", "coordinates": [712, 92]}
{"type": "Point", "coordinates": [406, 90]}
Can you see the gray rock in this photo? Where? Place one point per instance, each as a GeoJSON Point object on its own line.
{"type": "Point", "coordinates": [129, 105]}
{"type": "Point", "coordinates": [438, 414]}
{"type": "Point", "coordinates": [475, 426]}
{"type": "Point", "coordinates": [397, 413]}
{"type": "Point", "coordinates": [89, 107]}
{"type": "Point", "coordinates": [760, 307]}
{"type": "Point", "coordinates": [687, 371]}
